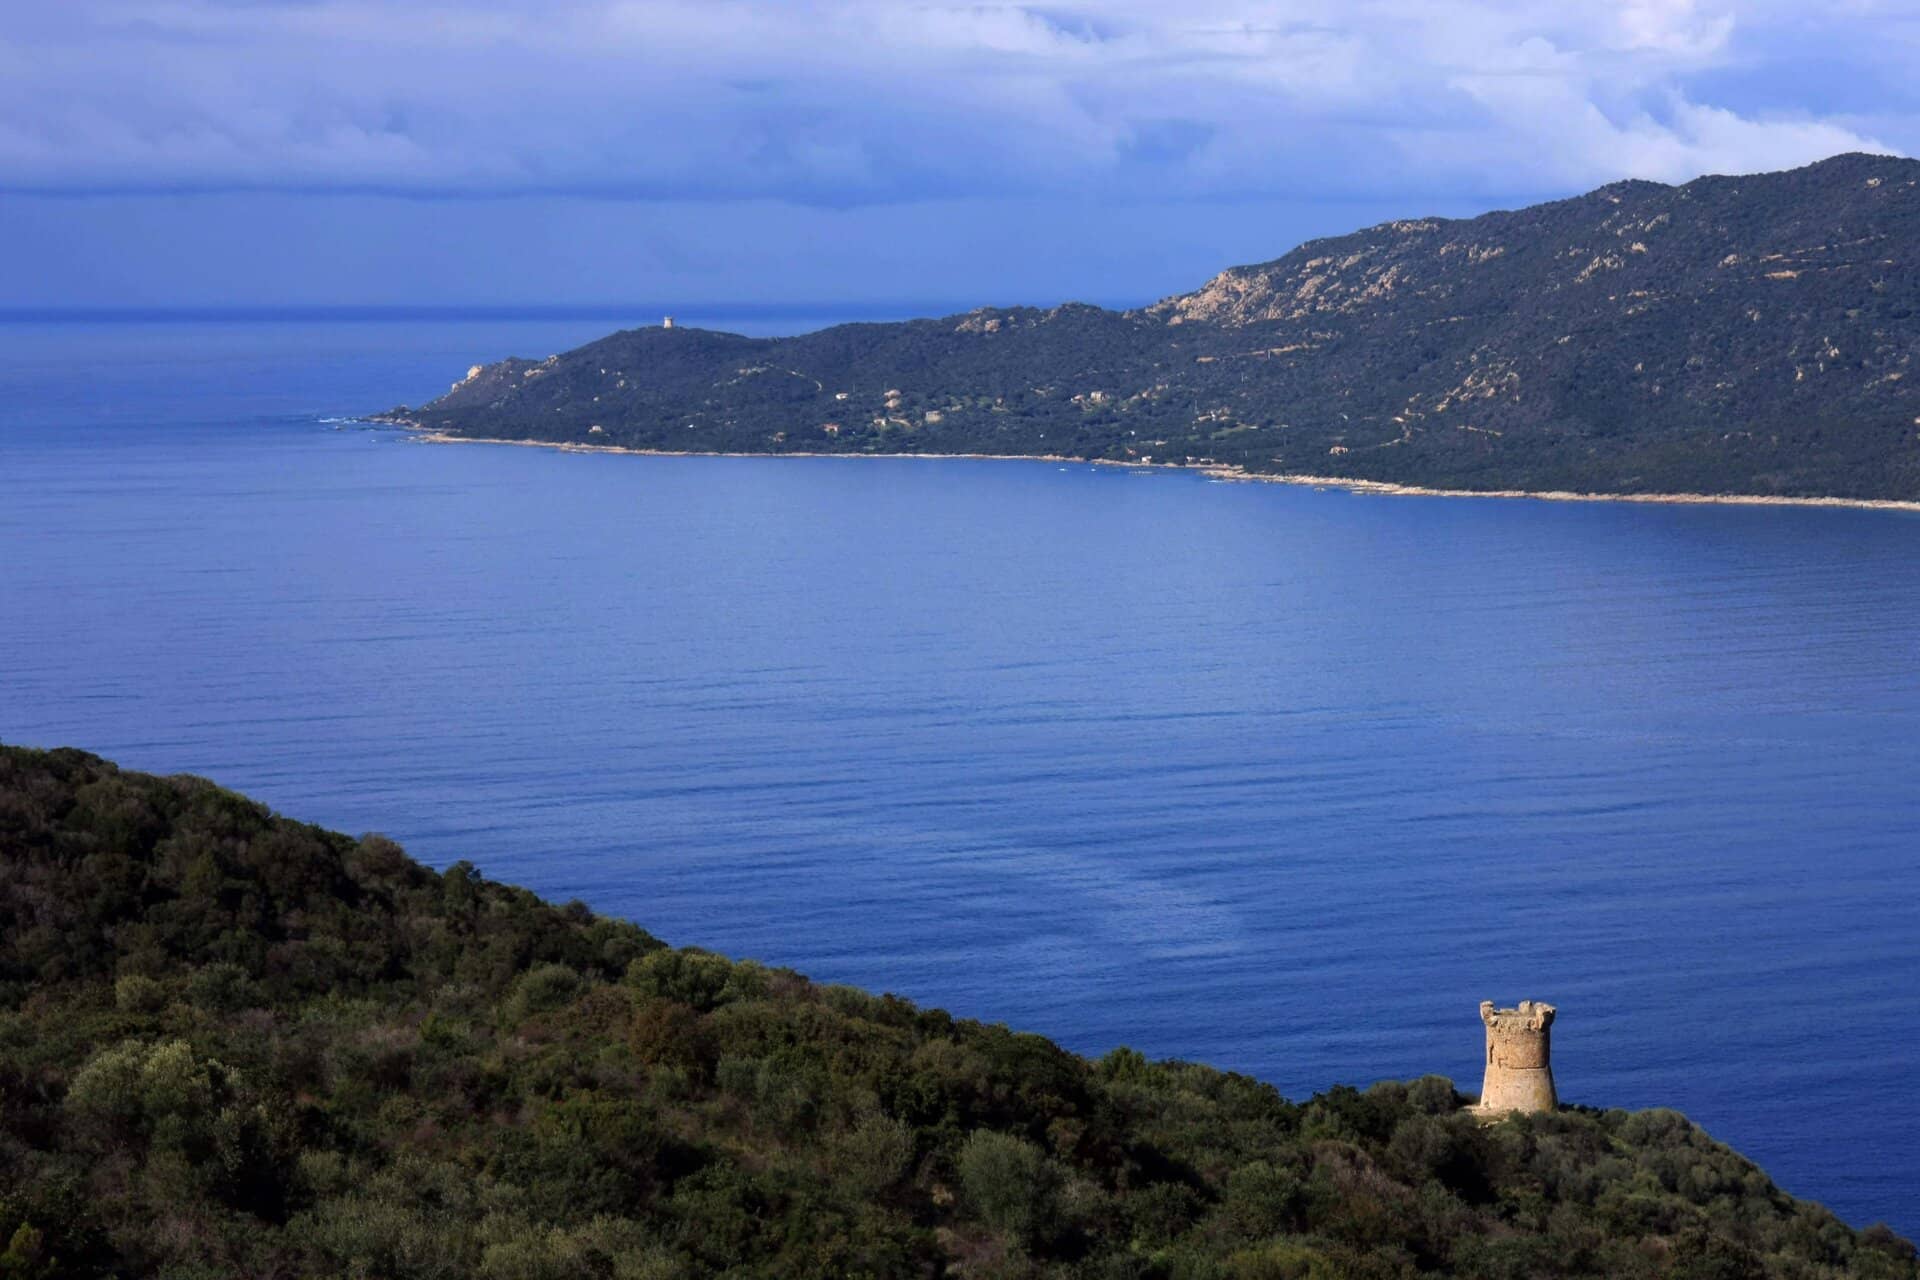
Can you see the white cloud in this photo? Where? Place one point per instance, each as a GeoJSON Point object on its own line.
{"type": "Point", "coordinates": [1679, 27]}
{"type": "Point", "coordinates": [857, 101]}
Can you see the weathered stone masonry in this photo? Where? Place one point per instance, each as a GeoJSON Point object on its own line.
{"type": "Point", "coordinates": [1519, 1052]}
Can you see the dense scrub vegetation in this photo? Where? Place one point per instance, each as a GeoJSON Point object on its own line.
{"type": "Point", "coordinates": [1750, 335]}
{"type": "Point", "coordinates": [232, 1044]}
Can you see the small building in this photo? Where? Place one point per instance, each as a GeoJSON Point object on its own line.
{"type": "Point", "coordinates": [667, 323]}
{"type": "Point", "coordinates": [1519, 1059]}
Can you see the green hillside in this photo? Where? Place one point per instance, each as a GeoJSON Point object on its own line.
{"type": "Point", "coordinates": [235, 1045]}
{"type": "Point", "coordinates": [1735, 335]}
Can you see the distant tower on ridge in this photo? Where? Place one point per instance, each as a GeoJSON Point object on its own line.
{"type": "Point", "coordinates": [667, 323]}
{"type": "Point", "coordinates": [1519, 1058]}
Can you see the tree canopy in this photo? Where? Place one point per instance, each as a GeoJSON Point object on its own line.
{"type": "Point", "coordinates": [234, 1044]}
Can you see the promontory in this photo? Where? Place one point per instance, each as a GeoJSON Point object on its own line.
{"type": "Point", "coordinates": [1732, 336]}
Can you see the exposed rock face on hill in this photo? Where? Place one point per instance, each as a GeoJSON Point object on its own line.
{"type": "Point", "coordinates": [1750, 335]}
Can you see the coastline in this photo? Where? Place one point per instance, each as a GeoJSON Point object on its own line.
{"type": "Point", "coordinates": [1221, 472]}
{"type": "Point", "coordinates": [1568, 495]}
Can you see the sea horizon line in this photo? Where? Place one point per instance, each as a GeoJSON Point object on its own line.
{"type": "Point", "coordinates": [630, 313]}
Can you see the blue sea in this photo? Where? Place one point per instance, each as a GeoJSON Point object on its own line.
{"type": "Point", "coordinates": [1279, 779]}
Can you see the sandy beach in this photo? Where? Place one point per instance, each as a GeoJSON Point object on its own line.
{"type": "Point", "coordinates": [1226, 473]}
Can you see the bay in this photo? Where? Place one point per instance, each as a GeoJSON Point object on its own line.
{"type": "Point", "coordinates": [1278, 779]}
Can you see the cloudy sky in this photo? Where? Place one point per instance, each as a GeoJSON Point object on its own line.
{"type": "Point", "coordinates": [859, 152]}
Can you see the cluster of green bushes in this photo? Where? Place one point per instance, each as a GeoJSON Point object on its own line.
{"type": "Point", "coordinates": [231, 1044]}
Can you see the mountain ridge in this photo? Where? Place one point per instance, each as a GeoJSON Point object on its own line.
{"type": "Point", "coordinates": [1748, 336]}
{"type": "Point", "coordinates": [1844, 164]}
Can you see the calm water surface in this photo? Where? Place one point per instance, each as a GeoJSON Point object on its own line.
{"type": "Point", "coordinates": [1282, 780]}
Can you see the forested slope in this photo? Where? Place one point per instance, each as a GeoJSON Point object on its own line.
{"type": "Point", "coordinates": [235, 1045]}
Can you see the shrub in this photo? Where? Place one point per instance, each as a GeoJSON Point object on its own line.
{"type": "Point", "coordinates": [542, 990]}
{"type": "Point", "coordinates": [1262, 1200]}
{"type": "Point", "coordinates": [1283, 1260]}
{"type": "Point", "coordinates": [695, 978]}
{"type": "Point", "coordinates": [602, 1249]}
{"type": "Point", "coordinates": [222, 988]}
{"type": "Point", "coordinates": [147, 1088]}
{"type": "Point", "coordinates": [1006, 1181]}
{"type": "Point", "coordinates": [137, 993]}
{"type": "Point", "coordinates": [1433, 1095]}
{"type": "Point", "coordinates": [23, 1256]}
{"type": "Point", "coordinates": [369, 1238]}
{"type": "Point", "coordinates": [874, 1155]}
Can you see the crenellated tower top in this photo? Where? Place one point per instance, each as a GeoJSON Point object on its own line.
{"type": "Point", "coordinates": [1519, 1058]}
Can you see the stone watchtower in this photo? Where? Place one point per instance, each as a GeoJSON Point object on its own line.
{"type": "Point", "coordinates": [1519, 1058]}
